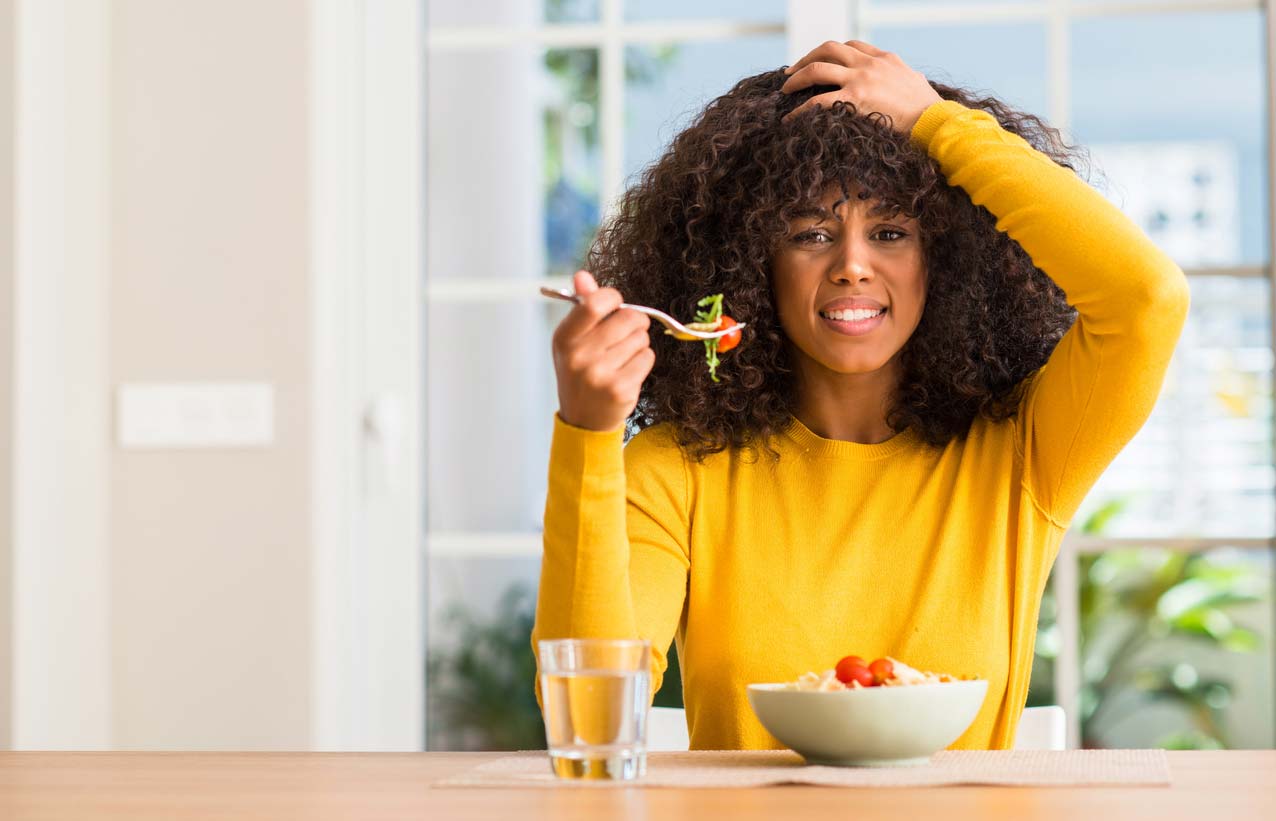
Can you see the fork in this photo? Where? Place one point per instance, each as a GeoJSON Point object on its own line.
{"type": "Point", "coordinates": [675, 328]}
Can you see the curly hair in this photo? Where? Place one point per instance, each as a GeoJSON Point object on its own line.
{"type": "Point", "coordinates": [707, 216]}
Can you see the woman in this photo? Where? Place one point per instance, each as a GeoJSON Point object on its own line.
{"type": "Point", "coordinates": [913, 417]}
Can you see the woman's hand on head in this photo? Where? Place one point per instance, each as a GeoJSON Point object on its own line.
{"type": "Point", "coordinates": [601, 357]}
{"type": "Point", "coordinates": [868, 77]}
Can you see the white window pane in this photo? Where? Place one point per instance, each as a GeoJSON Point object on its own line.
{"type": "Point", "coordinates": [513, 176]}
{"type": "Point", "coordinates": [571, 11]}
{"type": "Point", "coordinates": [572, 158]}
{"type": "Point", "coordinates": [1008, 60]}
{"type": "Point", "coordinates": [668, 85]}
{"type": "Point", "coordinates": [1182, 193]}
{"type": "Point", "coordinates": [483, 163]}
{"type": "Point", "coordinates": [503, 13]}
{"type": "Point", "coordinates": [869, 4]}
{"type": "Point", "coordinates": [448, 13]}
{"type": "Point", "coordinates": [1158, 3]}
{"type": "Point", "coordinates": [490, 402]}
{"type": "Point", "coordinates": [1191, 84]}
{"type": "Point", "coordinates": [771, 11]}
{"type": "Point", "coordinates": [1202, 465]}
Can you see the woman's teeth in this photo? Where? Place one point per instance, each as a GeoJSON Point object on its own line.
{"type": "Point", "coordinates": [856, 315]}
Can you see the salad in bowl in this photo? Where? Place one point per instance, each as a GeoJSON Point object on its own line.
{"type": "Point", "coordinates": [878, 713]}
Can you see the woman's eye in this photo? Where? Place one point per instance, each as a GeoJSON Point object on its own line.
{"type": "Point", "coordinates": [820, 237]}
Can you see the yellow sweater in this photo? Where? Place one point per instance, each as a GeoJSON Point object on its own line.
{"type": "Point", "coordinates": [763, 570]}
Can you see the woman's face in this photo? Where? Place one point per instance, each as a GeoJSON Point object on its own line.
{"type": "Point", "coordinates": [849, 287]}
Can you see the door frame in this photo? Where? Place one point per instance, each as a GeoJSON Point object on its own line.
{"type": "Point", "coordinates": [367, 241]}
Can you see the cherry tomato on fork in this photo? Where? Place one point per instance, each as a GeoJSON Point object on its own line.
{"type": "Point", "coordinates": [853, 668]}
{"type": "Point", "coordinates": [726, 343]}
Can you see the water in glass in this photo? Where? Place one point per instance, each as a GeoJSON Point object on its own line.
{"type": "Point", "coordinates": [595, 701]}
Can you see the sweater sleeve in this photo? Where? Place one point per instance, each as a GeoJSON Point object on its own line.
{"type": "Point", "coordinates": [1100, 383]}
{"type": "Point", "coordinates": [616, 553]}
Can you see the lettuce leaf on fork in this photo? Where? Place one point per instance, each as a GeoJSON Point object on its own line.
{"type": "Point", "coordinates": [708, 320]}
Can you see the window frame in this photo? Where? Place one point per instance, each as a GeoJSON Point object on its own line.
{"type": "Point", "coordinates": [367, 172]}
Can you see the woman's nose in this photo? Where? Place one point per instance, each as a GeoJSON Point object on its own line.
{"type": "Point", "coordinates": [852, 266]}
{"type": "Point", "coordinates": [853, 262]}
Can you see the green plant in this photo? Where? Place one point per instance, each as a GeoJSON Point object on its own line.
{"type": "Point", "coordinates": [1134, 604]}
{"type": "Point", "coordinates": [480, 687]}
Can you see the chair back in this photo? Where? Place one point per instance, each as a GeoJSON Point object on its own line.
{"type": "Point", "coordinates": [667, 730]}
{"type": "Point", "coordinates": [1042, 728]}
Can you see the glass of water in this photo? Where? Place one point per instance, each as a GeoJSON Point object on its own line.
{"type": "Point", "coordinates": [595, 695]}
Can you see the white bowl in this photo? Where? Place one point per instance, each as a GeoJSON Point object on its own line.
{"type": "Point", "coordinates": [868, 727]}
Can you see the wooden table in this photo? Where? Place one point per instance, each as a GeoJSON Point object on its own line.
{"type": "Point", "coordinates": [1216, 786]}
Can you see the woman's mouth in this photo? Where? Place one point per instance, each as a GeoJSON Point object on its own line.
{"type": "Point", "coordinates": [854, 322]}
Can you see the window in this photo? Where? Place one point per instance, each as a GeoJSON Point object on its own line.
{"type": "Point", "coordinates": [539, 115]}
{"type": "Point", "coordinates": [536, 119]}
{"type": "Point", "coordinates": [1180, 145]}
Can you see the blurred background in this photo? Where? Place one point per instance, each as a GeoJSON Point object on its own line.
{"type": "Point", "coordinates": [270, 480]}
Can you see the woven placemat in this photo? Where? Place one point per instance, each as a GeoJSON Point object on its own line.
{"type": "Point", "coordinates": [760, 768]}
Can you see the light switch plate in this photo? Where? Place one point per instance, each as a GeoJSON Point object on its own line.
{"type": "Point", "coordinates": [195, 415]}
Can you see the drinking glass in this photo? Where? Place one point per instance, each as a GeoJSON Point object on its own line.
{"type": "Point", "coordinates": [595, 695]}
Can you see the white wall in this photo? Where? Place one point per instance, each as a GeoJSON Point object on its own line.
{"type": "Point", "coordinates": [165, 231]}
{"type": "Point", "coordinates": [6, 361]}
{"type": "Point", "coordinates": [210, 560]}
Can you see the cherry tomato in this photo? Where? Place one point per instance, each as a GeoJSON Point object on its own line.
{"type": "Point", "coordinates": [843, 667]}
{"type": "Point", "coordinates": [852, 668]}
{"type": "Point", "coordinates": [863, 675]}
{"type": "Point", "coordinates": [726, 343]}
{"type": "Point", "coordinates": [882, 669]}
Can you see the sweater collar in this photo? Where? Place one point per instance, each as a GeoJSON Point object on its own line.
{"type": "Point", "coordinates": [813, 444]}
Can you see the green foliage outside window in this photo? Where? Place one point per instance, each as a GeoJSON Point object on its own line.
{"type": "Point", "coordinates": [479, 689]}
{"type": "Point", "coordinates": [1137, 606]}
